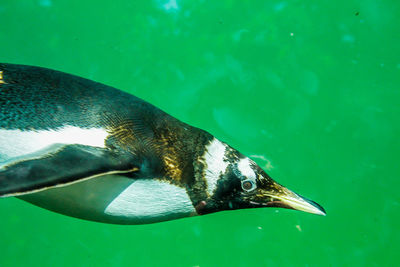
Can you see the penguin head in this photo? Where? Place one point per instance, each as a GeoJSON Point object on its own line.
{"type": "Point", "coordinates": [244, 185]}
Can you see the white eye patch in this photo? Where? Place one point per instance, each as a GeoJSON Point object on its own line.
{"type": "Point", "coordinates": [244, 166]}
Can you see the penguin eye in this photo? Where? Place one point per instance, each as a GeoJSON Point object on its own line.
{"type": "Point", "coordinates": [248, 185]}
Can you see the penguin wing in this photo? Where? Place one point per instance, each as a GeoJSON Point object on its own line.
{"type": "Point", "coordinates": [71, 163]}
{"type": "Point", "coordinates": [57, 128]}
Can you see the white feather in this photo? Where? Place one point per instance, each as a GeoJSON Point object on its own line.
{"type": "Point", "coordinates": [244, 167]}
{"type": "Point", "coordinates": [117, 199]}
{"type": "Point", "coordinates": [16, 144]}
{"type": "Point", "coordinates": [148, 198]}
{"type": "Point", "coordinates": [214, 156]}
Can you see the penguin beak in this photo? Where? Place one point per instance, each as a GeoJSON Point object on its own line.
{"type": "Point", "coordinates": [284, 198]}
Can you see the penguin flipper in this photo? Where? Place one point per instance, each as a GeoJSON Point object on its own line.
{"type": "Point", "coordinates": [70, 164]}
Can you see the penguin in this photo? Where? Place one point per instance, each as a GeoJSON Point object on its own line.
{"type": "Point", "coordinates": [90, 151]}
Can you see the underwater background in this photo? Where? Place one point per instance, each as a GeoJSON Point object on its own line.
{"type": "Point", "coordinates": [309, 89]}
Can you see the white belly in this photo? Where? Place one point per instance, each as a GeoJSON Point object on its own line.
{"type": "Point", "coordinates": [117, 199]}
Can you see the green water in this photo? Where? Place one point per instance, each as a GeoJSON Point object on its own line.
{"type": "Point", "coordinates": [309, 89]}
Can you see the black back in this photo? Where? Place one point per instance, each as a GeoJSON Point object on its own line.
{"type": "Point", "coordinates": [34, 98]}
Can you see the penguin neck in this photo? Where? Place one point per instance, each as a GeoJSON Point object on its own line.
{"type": "Point", "coordinates": [209, 167]}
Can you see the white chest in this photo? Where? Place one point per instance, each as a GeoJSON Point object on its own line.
{"type": "Point", "coordinates": [117, 199]}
